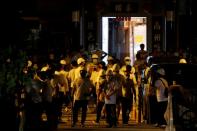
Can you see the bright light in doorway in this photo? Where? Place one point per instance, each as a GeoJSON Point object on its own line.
{"type": "Point", "coordinates": [137, 27]}
{"type": "Point", "coordinates": [105, 35]}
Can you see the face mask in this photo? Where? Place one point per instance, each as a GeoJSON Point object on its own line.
{"type": "Point", "coordinates": [127, 62]}
{"type": "Point", "coordinates": [95, 61]}
{"type": "Point", "coordinates": [110, 62]}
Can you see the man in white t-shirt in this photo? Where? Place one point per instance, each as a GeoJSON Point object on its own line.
{"type": "Point", "coordinates": [160, 85]}
{"type": "Point", "coordinates": [110, 99]}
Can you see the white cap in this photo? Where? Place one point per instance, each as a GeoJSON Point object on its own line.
{"type": "Point", "coordinates": [182, 61]}
{"type": "Point", "coordinates": [63, 62]}
{"type": "Point", "coordinates": [127, 58]}
{"type": "Point", "coordinates": [110, 58]}
{"type": "Point", "coordinates": [95, 56]}
{"type": "Point", "coordinates": [29, 63]}
{"type": "Point", "coordinates": [44, 68]}
{"type": "Point", "coordinates": [80, 60]}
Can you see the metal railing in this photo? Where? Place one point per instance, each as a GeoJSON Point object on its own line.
{"type": "Point", "coordinates": [181, 114]}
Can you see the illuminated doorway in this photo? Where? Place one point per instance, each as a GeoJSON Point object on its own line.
{"type": "Point", "coordinates": [122, 36]}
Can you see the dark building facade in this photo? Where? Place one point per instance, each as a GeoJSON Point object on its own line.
{"type": "Point", "coordinates": [74, 24]}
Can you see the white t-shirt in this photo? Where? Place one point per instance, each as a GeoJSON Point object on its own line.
{"type": "Point", "coordinates": [71, 76]}
{"type": "Point", "coordinates": [111, 87]}
{"type": "Point", "coordinates": [160, 85]}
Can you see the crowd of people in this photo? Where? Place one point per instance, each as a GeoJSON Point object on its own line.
{"type": "Point", "coordinates": [113, 87]}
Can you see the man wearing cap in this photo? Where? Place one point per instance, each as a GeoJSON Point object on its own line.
{"type": "Point", "coordinates": [160, 85]}
{"type": "Point", "coordinates": [110, 90]}
{"type": "Point", "coordinates": [92, 65]}
{"type": "Point", "coordinates": [93, 68]}
{"type": "Point", "coordinates": [62, 86]}
{"type": "Point", "coordinates": [94, 76]}
{"type": "Point", "coordinates": [100, 86]}
{"type": "Point", "coordinates": [81, 66]}
{"type": "Point", "coordinates": [127, 61]}
{"type": "Point", "coordinates": [110, 62]}
{"type": "Point", "coordinates": [81, 93]}
{"type": "Point", "coordinates": [128, 92]}
{"type": "Point", "coordinates": [119, 78]}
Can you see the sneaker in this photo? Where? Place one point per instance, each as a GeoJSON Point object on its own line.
{"type": "Point", "coordinates": [163, 126]}
{"type": "Point", "coordinates": [156, 125]}
{"type": "Point", "coordinates": [95, 122]}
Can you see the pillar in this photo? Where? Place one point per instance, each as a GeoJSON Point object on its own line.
{"type": "Point", "coordinates": [75, 45]}
{"type": "Point", "coordinates": [170, 28]}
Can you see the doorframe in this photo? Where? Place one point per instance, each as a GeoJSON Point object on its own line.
{"type": "Point", "coordinates": [149, 26]}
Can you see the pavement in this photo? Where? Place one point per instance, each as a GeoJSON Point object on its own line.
{"type": "Point", "coordinates": [65, 125]}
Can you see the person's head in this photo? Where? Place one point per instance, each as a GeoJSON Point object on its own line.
{"type": "Point", "coordinates": [95, 59]}
{"type": "Point", "coordinates": [128, 70]}
{"type": "Point", "coordinates": [29, 63]}
{"type": "Point", "coordinates": [83, 73]}
{"type": "Point", "coordinates": [46, 75]}
{"type": "Point", "coordinates": [59, 67]}
{"type": "Point", "coordinates": [74, 63]}
{"type": "Point", "coordinates": [102, 65]}
{"type": "Point", "coordinates": [81, 61]}
{"type": "Point", "coordinates": [63, 64]}
{"type": "Point", "coordinates": [110, 60]}
{"type": "Point", "coordinates": [115, 68]}
{"type": "Point", "coordinates": [138, 56]}
{"type": "Point", "coordinates": [51, 56]}
{"type": "Point", "coordinates": [127, 60]}
{"type": "Point", "coordinates": [142, 46]}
